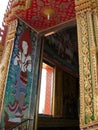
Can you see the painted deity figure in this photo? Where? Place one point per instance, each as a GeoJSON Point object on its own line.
{"type": "Point", "coordinates": [23, 60]}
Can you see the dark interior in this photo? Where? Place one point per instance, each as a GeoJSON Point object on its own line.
{"type": "Point", "coordinates": [61, 50]}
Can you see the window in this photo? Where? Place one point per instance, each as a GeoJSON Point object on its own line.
{"type": "Point", "coordinates": [46, 90]}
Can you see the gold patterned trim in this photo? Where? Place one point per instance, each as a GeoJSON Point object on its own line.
{"type": "Point", "coordinates": [4, 66]}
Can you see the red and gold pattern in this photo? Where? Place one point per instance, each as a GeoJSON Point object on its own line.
{"type": "Point", "coordinates": [35, 13]}
{"type": "Point", "coordinates": [63, 10]}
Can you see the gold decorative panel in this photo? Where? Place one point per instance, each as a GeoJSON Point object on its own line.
{"type": "Point", "coordinates": [86, 13]}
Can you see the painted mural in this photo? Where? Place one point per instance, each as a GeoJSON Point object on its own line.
{"type": "Point", "coordinates": [18, 93]}
{"type": "Point", "coordinates": [62, 46]}
{"type": "Point", "coordinates": [22, 62]}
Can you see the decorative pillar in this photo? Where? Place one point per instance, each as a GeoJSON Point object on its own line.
{"type": "Point", "coordinates": [10, 21]}
{"type": "Point", "coordinates": [87, 26]}
{"type": "Point", "coordinates": [6, 59]}
{"type": "Point", "coordinates": [8, 80]}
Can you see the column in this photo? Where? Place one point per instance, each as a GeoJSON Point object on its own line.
{"type": "Point", "coordinates": [4, 66]}
{"type": "Point", "coordinates": [87, 26]}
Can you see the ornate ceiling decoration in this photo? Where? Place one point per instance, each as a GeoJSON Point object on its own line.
{"type": "Point", "coordinates": [44, 14]}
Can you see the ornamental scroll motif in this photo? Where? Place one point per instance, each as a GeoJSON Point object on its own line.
{"type": "Point", "coordinates": [86, 70]}
{"type": "Point", "coordinates": [87, 15]}
{"type": "Point", "coordinates": [86, 90]}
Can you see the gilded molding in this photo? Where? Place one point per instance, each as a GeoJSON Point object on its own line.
{"type": "Point", "coordinates": [13, 7]}
{"type": "Point", "coordinates": [80, 73]}
{"type": "Point", "coordinates": [11, 29]}
{"type": "Point", "coordinates": [87, 22]}
{"type": "Point", "coordinates": [4, 66]}
{"type": "Point", "coordinates": [4, 70]}
{"type": "Point", "coordinates": [95, 19]}
{"type": "Point", "coordinates": [83, 5]}
{"type": "Point", "coordinates": [86, 91]}
{"type": "Point", "coordinates": [28, 3]}
{"type": "Point", "coordinates": [93, 62]}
